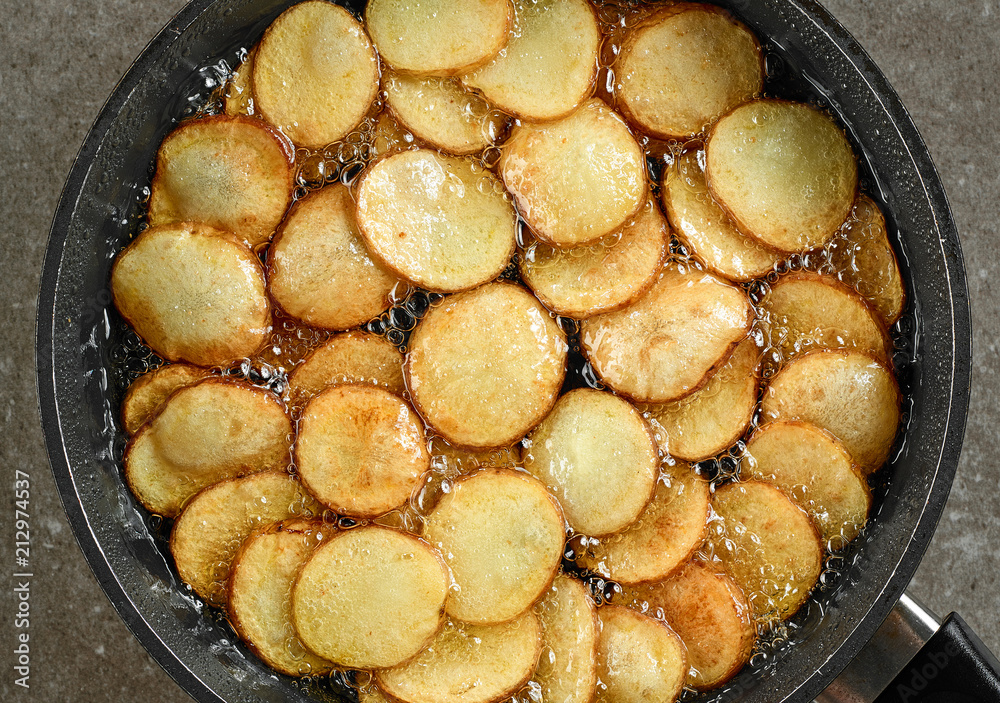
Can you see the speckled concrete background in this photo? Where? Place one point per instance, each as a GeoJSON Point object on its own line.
{"type": "Point", "coordinates": [58, 61]}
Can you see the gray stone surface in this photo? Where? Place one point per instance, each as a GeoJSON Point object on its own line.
{"type": "Point", "coordinates": [58, 61]}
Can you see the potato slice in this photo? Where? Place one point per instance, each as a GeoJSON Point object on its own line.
{"type": "Point", "coordinates": [315, 73]}
{"type": "Point", "coordinates": [710, 420]}
{"type": "Point", "coordinates": [710, 614]}
{"type": "Point", "coordinates": [549, 66]}
{"type": "Point", "coordinates": [426, 216]}
{"type": "Point", "coordinates": [596, 454]}
{"type": "Point", "coordinates": [230, 173]}
{"type": "Point", "coordinates": [468, 664]}
{"type": "Point", "coordinates": [783, 171]}
{"type": "Point", "coordinates": [370, 597]}
{"type": "Point", "coordinates": [372, 695]}
{"type": "Point", "coordinates": [192, 293]}
{"type": "Point", "coordinates": [816, 472]}
{"type": "Point", "coordinates": [501, 534]}
{"type": "Point", "coordinates": [438, 37]}
{"type": "Point", "coordinates": [260, 594]}
{"type": "Point", "coordinates": [238, 96]}
{"type": "Point", "coordinates": [213, 526]}
{"type": "Point", "coordinates": [668, 343]}
{"type": "Point", "coordinates": [349, 357]}
{"type": "Point", "coordinates": [639, 659]}
{"type": "Point", "coordinates": [863, 258]}
{"type": "Point", "coordinates": [484, 367]}
{"type": "Point", "coordinates": [684, 67]}
{"type": "Point", "coordinates": [148, 392]}
{"type": "Point", "coordinates": [804, 311]}
{"type": "Point", "coordinates": [768, 545]}
{"type": "Point", "coordinates": [203, 434]}
{"type": "Point", "coordinates": [601, 277]}
{"type": "Point", "coordinates": [567, 669]}
{"type": "Point", "coordinates": [851, 395]}
{"type": "Point", "coordinates": [360, 450]}
{"type": "Point", "coordinates": [706, 228]}
{"type": "Point", "coordinates": [576, 179]}
{"type": "Point", "coordinates": [319, 269]}
{"type": "Point", "coordinates": [667, 533]}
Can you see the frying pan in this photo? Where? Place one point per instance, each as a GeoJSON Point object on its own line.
{"type": "Point", "coordinates": [82, 345]}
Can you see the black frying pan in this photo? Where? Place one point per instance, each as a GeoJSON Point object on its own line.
{"type": "Point", "coordinates": [81, 344]}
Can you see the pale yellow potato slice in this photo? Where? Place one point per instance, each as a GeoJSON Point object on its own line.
{"type": "Point", "coordinates": [576, 179]}
{"type": "Point", "coordinates": [468, 664]}
{"type": "Point", "coordinates": [360, 450]}
{"type": "Point", "coordinates": [783, 171]}
{"type": "Point", "coordinates": [710, 420]}
{"type": "Point", "coordinates": [816, 472]}
{"type": "Point", "coordinates": [549, 66]}
{"type": "Point", "coordinates": [484, 367]}
{"type": "Point", "coordinates": [639, 659]}
{"type": "Point", "coordinates": [666, 534]}
{"type": "Point", "coordinates": [438, 37]}
{"type": "Point", "coordinates": [851, 395]}
{"type": "Point", "coordinates": [259, 602]}
{"type": "Point", "coordinates": [315, 73]}
{"type": "Point", "coordinates": [148, 392]}
{"type": "Point", "coordinates": [193, 293]}
{"type": "Point", "coordinates": [230, 173]}
{"type": "Point", "coordinates": [213, 430]}
{"type": "Point", "coordinates": [767, 545]}
{"type": "Point", "coordinates": [668, 343]}
{"type": "Point", "coordinates": [319, 269]}
{"type": "Point", "coordinates": [600, 277]}
{"type": "Point", "coordinates": [502, 535]}
{"type": "Point", "coordinates": [706, 228]}
{"type": "Point", "coordinates": [213, 526]}
{"type": "Point", "coordinates": [389, 137]}
{"type": "Point", "coordinates": [684, 67]}
{"type": "Point", "coordinates": [567, 669]}
{"type": "Point", "coordinates": [710, 614]}
{"type": "Point", "coordinates": [238, 96]}
{"type": "Point", "coordinates": [805, 311]}
{"type": "Point", "coordinates": [864, 259]}
{"type": "Point", "coordinates": [349, 357]}
{"type": "Point", "coordinates": [371, 597]}
{"type": "Point", "coordinates": [598, 457]}
{"type": "Point", "coordinates": [426, 217]}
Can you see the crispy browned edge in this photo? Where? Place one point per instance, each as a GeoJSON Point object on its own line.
{"type": "Point", "coordinates": [142, 381]}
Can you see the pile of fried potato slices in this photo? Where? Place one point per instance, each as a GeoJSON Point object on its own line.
{"type": "Point", "coordinates": [509, 496]}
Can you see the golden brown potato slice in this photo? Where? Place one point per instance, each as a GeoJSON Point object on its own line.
{"type": "Point", "coordinates": [389, 137]}
{"type": "Point", "coordinates": [349, 357]}
{"type": "Point", "coordinates": [260, 594]}
{"type": "Point", "coordinates": [805, 311]}
{"type": "Point", "coordinates": [203, 434]}
{"type": "Point", "coordinates": [863, 258]}
{"type": "Point", "coordinates": [360, 450]}
{"type": "Point", "coordinates": [438, 37]}
{"type": "Point", "coordinates": [468, 664]}
{"type": "Point", "coordinates": [576, 179]}
{"type": "Point", "coordinates": [549, 66]}
{"type": "Point", "coordinates": [567, 669]}
{"type": "Point", "coordinates": [684, 67]}
{"type": "Point", "coordinates": [146, 394]}
{"type": "Point", "coordinates": [230, 173]}
{"type": "Point", "coordinates": [668, 343]}
{"type": "Point", "coordinates": [639, 659]}
{"type": "Point", "coordinates": [501, 534]}
{"type": "Point", "coordinates": [484, 367]}
{"type": "Point", "coordinates": [601, 277]}
{"type": "Point", "coordinates": [427, 218]}
{"type": "Point", "coordinates": [238, 96]}
{"type": "Point", "coordinates": [709, 613]}
{"type": "Point", "coordinates": [851, 395]}
{"type": "Point", "coordinates": [193, 293]}
{"type": "Point", "coordinates": [596, 454]}
{"type": "Point", "coordinates": [319, 269]}
{"type": "Point", "coordinates": [210, 531]}
{"type": "Point", "coordinates": [705, 226]}
{"type": "Point", "coordinates": [783, 171]}
{"type": "Point", "coordinates": [710, 420]}
{"type": "Point", "coordinates": [371, 597]}
{"type": "Point", "coordinates": [816, 472]}
{"type": "Point", "coordinates": [668, 531]}
{"type": "Point", "coordinates": [315, 73]}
